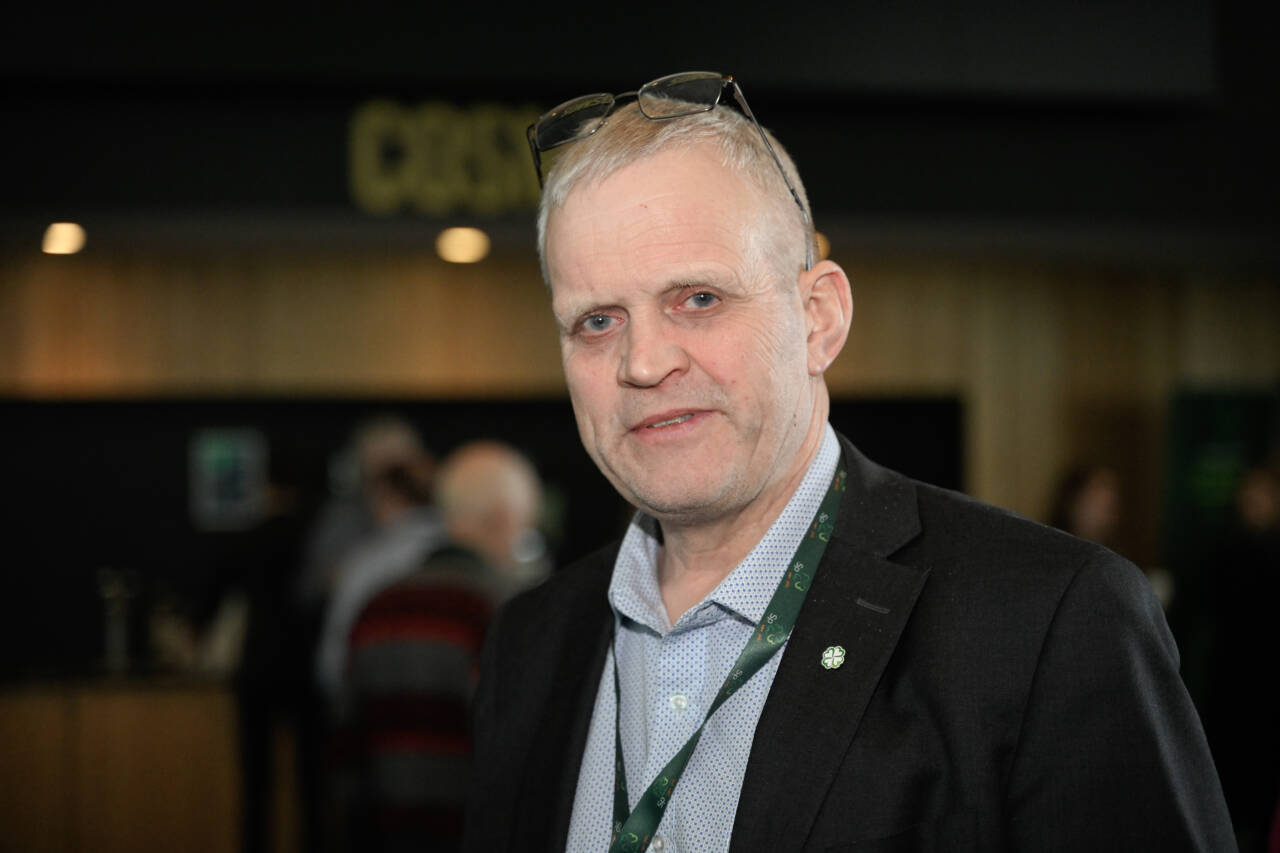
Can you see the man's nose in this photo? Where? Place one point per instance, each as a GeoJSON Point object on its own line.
{"type": "Point", "coordinates": [650, 353]}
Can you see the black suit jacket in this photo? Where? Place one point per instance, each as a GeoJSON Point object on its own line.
{"type": "Point", "coordinates": [1007, 687]}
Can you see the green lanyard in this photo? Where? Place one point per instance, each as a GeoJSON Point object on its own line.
{"type": "Point", "coordinates": [632, 831]}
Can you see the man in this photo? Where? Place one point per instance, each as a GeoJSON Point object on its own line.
{"type": "Point", "coordinates": [957, 678]}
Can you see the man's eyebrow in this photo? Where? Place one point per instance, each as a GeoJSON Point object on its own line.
{"type": "Point", "coordinates": [577, 309]}
{"type": "Point", "coordinates": [704, 275]}
{"type": "Point", "coordinates": [567, 319]}
{"type": "Point", "coordinates": [730, 285]}
{"type": "Point", "coordinates": [691, 283]}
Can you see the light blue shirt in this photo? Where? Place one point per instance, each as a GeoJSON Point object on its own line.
{"type": "Point", "coordinates": [670, 674]}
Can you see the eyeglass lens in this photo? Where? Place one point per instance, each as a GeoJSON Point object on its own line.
{"type": "Point", "coordinates": [572, 120]}
{"type": "Point", "coordinates": [680, 94]}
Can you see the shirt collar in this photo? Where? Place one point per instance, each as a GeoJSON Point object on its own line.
{"type": "Point", "coordinates": [747, 590]}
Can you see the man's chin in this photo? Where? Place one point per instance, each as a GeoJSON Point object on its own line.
{"type": "Point", "coordinates": [692, 505]}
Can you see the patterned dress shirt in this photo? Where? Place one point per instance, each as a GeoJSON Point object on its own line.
{"type": "Point", "coordinates": [670, 674]}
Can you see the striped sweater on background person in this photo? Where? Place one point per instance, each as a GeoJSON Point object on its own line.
{"type": "Point", "coordinates": [414, 653]}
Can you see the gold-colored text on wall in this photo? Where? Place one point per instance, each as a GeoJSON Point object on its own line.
{"type": "Point", "coordinates": [438, 158]}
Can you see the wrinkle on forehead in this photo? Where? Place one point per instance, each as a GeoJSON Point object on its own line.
{"type": "Point", "coordinates": [676, 207]}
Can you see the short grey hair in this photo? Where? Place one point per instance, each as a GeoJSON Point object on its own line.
{"type": "Point", "coordinates": [628, 136]}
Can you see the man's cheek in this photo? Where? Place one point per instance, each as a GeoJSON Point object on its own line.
{"type": "Point", "coordinates": [586, 422]}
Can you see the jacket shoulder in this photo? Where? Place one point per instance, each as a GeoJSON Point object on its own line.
{"type": "Point", "coordinates": [982, 559]}
{"type": "Point", "coordinates": [976, 535]}
{"type": "Point", "coordinates": [1005, 582]}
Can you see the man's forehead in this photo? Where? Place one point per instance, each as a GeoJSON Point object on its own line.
{"type": "Point", "coordinates": [685, 191]}
{"type": "Point", "coordinates": [693, 171]}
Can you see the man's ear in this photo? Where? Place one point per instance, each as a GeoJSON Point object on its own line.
{"type": "Point", "coordinates": [828, 313]}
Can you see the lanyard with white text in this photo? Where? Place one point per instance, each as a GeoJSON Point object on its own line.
{"type": "Point", "coordinates": [632, 830]}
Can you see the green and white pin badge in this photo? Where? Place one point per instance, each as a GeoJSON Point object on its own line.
{"type": "Point", "coordinates": [833, 657]}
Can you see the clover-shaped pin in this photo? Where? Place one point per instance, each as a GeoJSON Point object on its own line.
{"type": "Point", "coordinates": [833, 657]}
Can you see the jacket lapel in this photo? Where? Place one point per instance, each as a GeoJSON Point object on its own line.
{"type": "Point", "coordinates": [580, 664]}
{"type": "Point", "coordinates": [860, 601]}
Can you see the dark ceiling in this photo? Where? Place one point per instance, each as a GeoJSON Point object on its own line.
{"type": "Point", "coordinates": [1122, 117]}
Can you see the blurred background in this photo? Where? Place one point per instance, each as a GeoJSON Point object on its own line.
{"type": "Point", "coordinates": [233, 239]}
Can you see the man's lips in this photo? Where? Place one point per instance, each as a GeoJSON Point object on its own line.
{"type": "Point", "coordinates": [662, 420]}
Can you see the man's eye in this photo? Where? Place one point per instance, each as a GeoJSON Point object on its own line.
{"type": "Point", "coordinates": [702, 299]}
{"type": "Point", "coordinates": [597, 323]}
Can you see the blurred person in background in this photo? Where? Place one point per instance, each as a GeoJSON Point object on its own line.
{"type": "Point", "coordinates": [272, 681]}
{"type": "Point", "coordinates": [1242, 705]}
{"type": "Point", "coordinates": [348, 516]}
{"type": "Point", "coordinates": [406, 527]}
{"type": "Point", "coordinates": [490, 497]}
{"type": "Point", "coordinates": [373, 530]}
{"type": "Point", "coordinates": [414, 652]}
{"type": "Point", "coordinates": [1087, 504]}
{"type": "Point", "coordinates": [258, 635]}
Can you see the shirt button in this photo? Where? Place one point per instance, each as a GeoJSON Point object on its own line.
{"type": "Point", "coordinates": [678, 702]}
{"type": "Point", "coordinates": [658, 844]}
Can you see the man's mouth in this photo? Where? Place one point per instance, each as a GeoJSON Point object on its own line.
{"type": "Point", "coordinates": [670, 422]}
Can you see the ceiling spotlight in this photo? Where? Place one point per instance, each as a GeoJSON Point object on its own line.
{"type": "Point", "coordinates": [462, 245]}
{"type": "Point", "coordinates": [63, 238]}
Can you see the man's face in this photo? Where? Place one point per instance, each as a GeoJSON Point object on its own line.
{"type": "Point", "coordinates": [685, 356]}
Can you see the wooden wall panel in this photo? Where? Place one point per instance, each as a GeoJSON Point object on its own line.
{"type": "Point", "coordinates": [909, 331]}
{"type": "Point", "coordinates": [1121, 350]}
{"type": "Point", "coordinates": [1229, 331]}
{"type": "Point", "coordinates": [1014, 389]}
{"type": "Point", "coordinates": [277, 323]}
{"type": "Point", "coordinates": [15, 323]}
{"type": "Point", "coordinates": [1056, 362]}
{"type": "Point", "coordinates": [36, 772]}
{"type": "Point", "coordinates": [156, 770]}
{"type": "Point", "coordinates": [127, 766]}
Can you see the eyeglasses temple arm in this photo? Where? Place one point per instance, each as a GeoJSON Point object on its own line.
{"type": "Point", "coordinates": [532, 138]}
{"type": "Point", "coordinates": [742, 102]}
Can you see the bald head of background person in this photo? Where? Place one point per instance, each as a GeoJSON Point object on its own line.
{"type": "Point", "coordinates": [490, 498]}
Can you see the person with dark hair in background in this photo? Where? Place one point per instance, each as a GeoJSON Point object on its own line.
{"type": "Point", "coordinates": [792, 648]}
{"type": "Point", "coordinates": [1087, 504]}
{"type": "Point", "coordinates": [272, 679]}
{"type": "Point", "coordinates": [1242, 705]}
{"type": "Point", "coordinates": [347, 517]}
{"type": "Point", "coordinates": [406, 528]}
